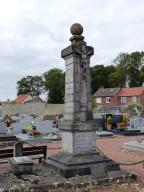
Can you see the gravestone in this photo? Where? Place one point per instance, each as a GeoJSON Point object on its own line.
{"type": "Point", "coordinates": [18, 126]}
{"type": "Point", "coordinates": [2, 127]}
{"type": "Point", "coordinates": [42, 126]}
{"type": "Point", "coordinates": [20, 165]}
{"type": "Point", "coordinates": [79, 155]}
{"type": "Point", "coordinates": [137, 123]}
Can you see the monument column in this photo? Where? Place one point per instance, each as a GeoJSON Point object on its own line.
{"type": "Point", "coordinates": [78, 155]}
{"type": "Point", "coordinates": [78, 131]}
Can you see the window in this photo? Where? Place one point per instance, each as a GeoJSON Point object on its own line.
{"type": "Point", "coordinates": [108, 99]}
{"type": "Point", "coordinates": [98, 100]}
{"type": "Point", "coordinates": [123, 99]}
{"type": "Point", "coordinates": [134, 99]}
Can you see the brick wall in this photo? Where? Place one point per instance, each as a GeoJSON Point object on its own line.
{"type": "Point", "coordinates": [129, 100]}
{"type": "Point", "coordinates": [113, 102]}
{"type": "Point", "coordinates": [116, 101]}
{"type": "Point", "coordinates": [141, 99]}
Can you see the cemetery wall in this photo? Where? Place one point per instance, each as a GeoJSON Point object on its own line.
{"type": "Point", "coordinates": [33, 108]}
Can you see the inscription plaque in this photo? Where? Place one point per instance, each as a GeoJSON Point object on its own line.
{"type": "Point", "coordinates": [84, 141]}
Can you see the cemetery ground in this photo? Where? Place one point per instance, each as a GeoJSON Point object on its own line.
{"type": "Point", "coordinates": [113, 148]}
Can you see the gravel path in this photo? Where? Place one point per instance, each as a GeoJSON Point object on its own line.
{"type": "Point", "coordinates": [113, 148]}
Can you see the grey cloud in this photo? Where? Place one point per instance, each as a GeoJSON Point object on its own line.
{"type": "Point", "coordinates": [32, 39]}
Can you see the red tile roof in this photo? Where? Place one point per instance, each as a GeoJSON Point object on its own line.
{"type": "Point", "coordinates": [20, 98]}
{"type": "Point", "coordinates": [132, 91]}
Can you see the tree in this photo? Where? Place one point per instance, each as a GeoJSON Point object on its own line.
{"type": "Point", "coordinates": [129, 69]}
{"type": "Point", "coordinates": [100, 77]}
{"type": "Point", "coordinates": [135, 65]}
{"type": "Point", "coordinates": [30, 84]}
{"type": "Point", "coordinates": [54, 81]}
{"type": "Point", "coordinates": [109, 80]}
{"type": "Point", "coordinates": [120, 75]}
{"type": "Point", "coordinates": [97, 77]}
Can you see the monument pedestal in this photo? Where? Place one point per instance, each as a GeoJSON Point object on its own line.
{"type": "Point", "coordinates": [79, 141]}
{"type": "Point", "coordinates": [70, 165]}
{"type": "Point", "coordinates": [78, 137]}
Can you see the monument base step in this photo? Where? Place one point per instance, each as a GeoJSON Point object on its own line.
{"type": "Point", "coordinates": [70, 165]}
{"type": "Point", "coordinates": [113, 177]}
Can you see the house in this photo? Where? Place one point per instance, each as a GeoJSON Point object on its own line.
{"type": "Point", "coordinates": [23, 98]}
{"type": "Point", "coordinates": [106, 97]}
{"type": "Point", "coordinates": [119, 97]}
{"type": "Point", "coordinates": [131, 95]}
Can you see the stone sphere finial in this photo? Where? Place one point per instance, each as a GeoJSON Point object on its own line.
{"type": "Point", "coordinates": [76, 29]}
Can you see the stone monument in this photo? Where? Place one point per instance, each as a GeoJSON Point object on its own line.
{"type": "Point", "coordinates": [78, 131]}
{"type": "Point", "coordinates": [79, 155]}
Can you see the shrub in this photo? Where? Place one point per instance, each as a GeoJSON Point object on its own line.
{"type": "Point", "coordinates": [109, 120]}
{"type": "Point", "coordinates": [94, 104]}
{"type": "Point", "coordinates": [125, 120]}
{"type": "Point", "coordinates": [132, 106]}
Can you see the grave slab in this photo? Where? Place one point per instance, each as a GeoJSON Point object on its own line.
{"type": "Point", "coordinates": [104, 133]}
{"type": "Point", "coordinates": [20, 165]}
{"type": "Point", "coordinates": [134, 146]}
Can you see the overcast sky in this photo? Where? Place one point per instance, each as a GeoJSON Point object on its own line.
{"type": "Point", "coordinates": [33, 33]}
